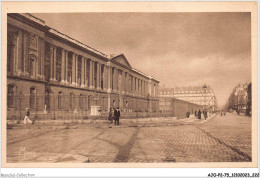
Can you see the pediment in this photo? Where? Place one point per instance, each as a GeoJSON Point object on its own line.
{"type": "Point", "coordinates": [121, 59]}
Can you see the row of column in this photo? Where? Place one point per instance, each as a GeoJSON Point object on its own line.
{"type": "Point", "coordinates": [125, 83]}
{"type": "Point", "coordinates": [93, 75]}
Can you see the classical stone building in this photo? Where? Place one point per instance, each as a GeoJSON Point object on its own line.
{"type": "Point", "coordinates": [49, 71]}
{"type": "Point", "coordinates": [201, 95]}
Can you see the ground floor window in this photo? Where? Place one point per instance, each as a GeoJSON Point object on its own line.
{"type": "Point", "coordinates": [60, 100]}
{"type": "Point", "coordinates": [81, 101]}
{"type": "Point", "coordinates": [70, 100]}
{"type": "Point", "coordinates": [10, 96]}
{"type": "Point", "coordinates": [32, 97]}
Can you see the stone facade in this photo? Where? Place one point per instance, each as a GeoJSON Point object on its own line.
{"type": "Point", "coordinates": [50, 71]}
{"type": "Point", "coordinates": [177, 108]}
{"type": "Point", "coordinates": [201, 95]}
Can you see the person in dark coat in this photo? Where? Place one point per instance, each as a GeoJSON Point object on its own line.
{"type": "Point", "coordinates": [188, 114]}
{"type": "Point", "coordinates": [114, 116]}
{"type": "Point", "coordinates": [205, 114]}
{"type": "Point", "coordinates": [196, 113]}
{"type": "Point", "coordinates": [117, 116]}
{"type": "Point", "coordinates": [199, 114]}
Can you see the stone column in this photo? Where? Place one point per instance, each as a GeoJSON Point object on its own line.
{"type": "Point", "coordinates": [86, 72]}
{"type": "Point", "coordinates": [145, 89]}
{"type": "Point", "coordinates": [13, 55]}
{"type": "Point", "coordinates": [51, 63]}
{"type": "Point", "coordinates": [142, 88]}
{"type": "Point", "coordinates": [42, 58]}
{"type": "Point", "coordinates": [98, 76]}
{"type": "Point", "coordinates": [116, 79]}
{"type": "Point", "coordinates": [105, 77]}
{"type": "Point", "coordinates": [112, 82]}
{"type": "Point", "coordinates": [109, 75]}
{"type": "Point", "coordinates": [25, 54]}
{"type": "Point", "coordinates": [101, 76]}
{"type": "Point", "coordinates": [54, 63]}
{"type": "Point", "coordinates": [39, 60]}
{"type": "Point", "coordinates": [131, 84]}
{"type": "Point", "coordinates": [73, 69]}
{"type": "Point", "coordinates": [66, 67]}
{"type": "Point", "coordinates": [19, 52]}
{"type": "Point", "coordinates": [91, 74]}
{"type": "Point", "coordinates": [76, 69]}
{"type": "Point", "coordinates": [82, 72]}
{"type": "Point", "coordinates": [123, 82]}
{"type": "Point", "coordinates": [63, 66]}
{"type": "Point", "coordinates": [135, 85]}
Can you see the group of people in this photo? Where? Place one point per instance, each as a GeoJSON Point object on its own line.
{"type": "Point", "coordinates": [114, 114]}
{"type": "Point", "coordinates": [199, 114]}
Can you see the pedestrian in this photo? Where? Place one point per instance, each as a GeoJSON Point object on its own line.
{"type": "Point", "coordinates": [26, 117]}
{"type": "Point", "coordinates": [205, 114]}
{"type": "Point", "coordinates": [199, 114]}
{"type": "Point", "coordinates": [110, 116]}
{"type": "Point", "coordinates": [188, 114]}
{"type": "Point", "coordinates": [196, 113]}
{"type": "Point", "coordinates": [117, 116]}
{"type": "Point", "coordinates": [114, 115]}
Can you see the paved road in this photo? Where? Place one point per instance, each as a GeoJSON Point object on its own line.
{"type": "Point", "coordinates": [219, 139]}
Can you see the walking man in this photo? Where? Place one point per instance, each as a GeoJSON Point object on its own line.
{"type": "Point", "coordinates": [26, 117]}
{"type": "Point", "coordinates": [117, 116]}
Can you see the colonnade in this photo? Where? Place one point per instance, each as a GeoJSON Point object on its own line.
{"type": "Point", "coordinates": [96, 75]}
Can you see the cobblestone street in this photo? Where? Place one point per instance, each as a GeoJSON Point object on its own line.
{"type": "Point", "coordinates": [218, 139]}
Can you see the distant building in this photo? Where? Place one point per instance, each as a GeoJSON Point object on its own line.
{"type": "Point", "coordinates": [201, 95]}
{"type": "Point", "coordinates": [238, 99]}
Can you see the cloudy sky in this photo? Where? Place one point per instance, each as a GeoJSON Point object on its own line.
{"type": "Point", "coordinates": [177, 48]}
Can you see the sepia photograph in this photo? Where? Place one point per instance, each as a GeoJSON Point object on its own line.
{"type": "Point", "coordinates": [129, 87]}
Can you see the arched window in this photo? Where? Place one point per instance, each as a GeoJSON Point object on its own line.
{"type": "Point", "coordinates": [32, 97]}
{"type": "Point", "coordinates": [81, 101]}
{"type": "Point", "coordinates": [10, 96]}
{"type": "Point", "coordinates": [60, 100]}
